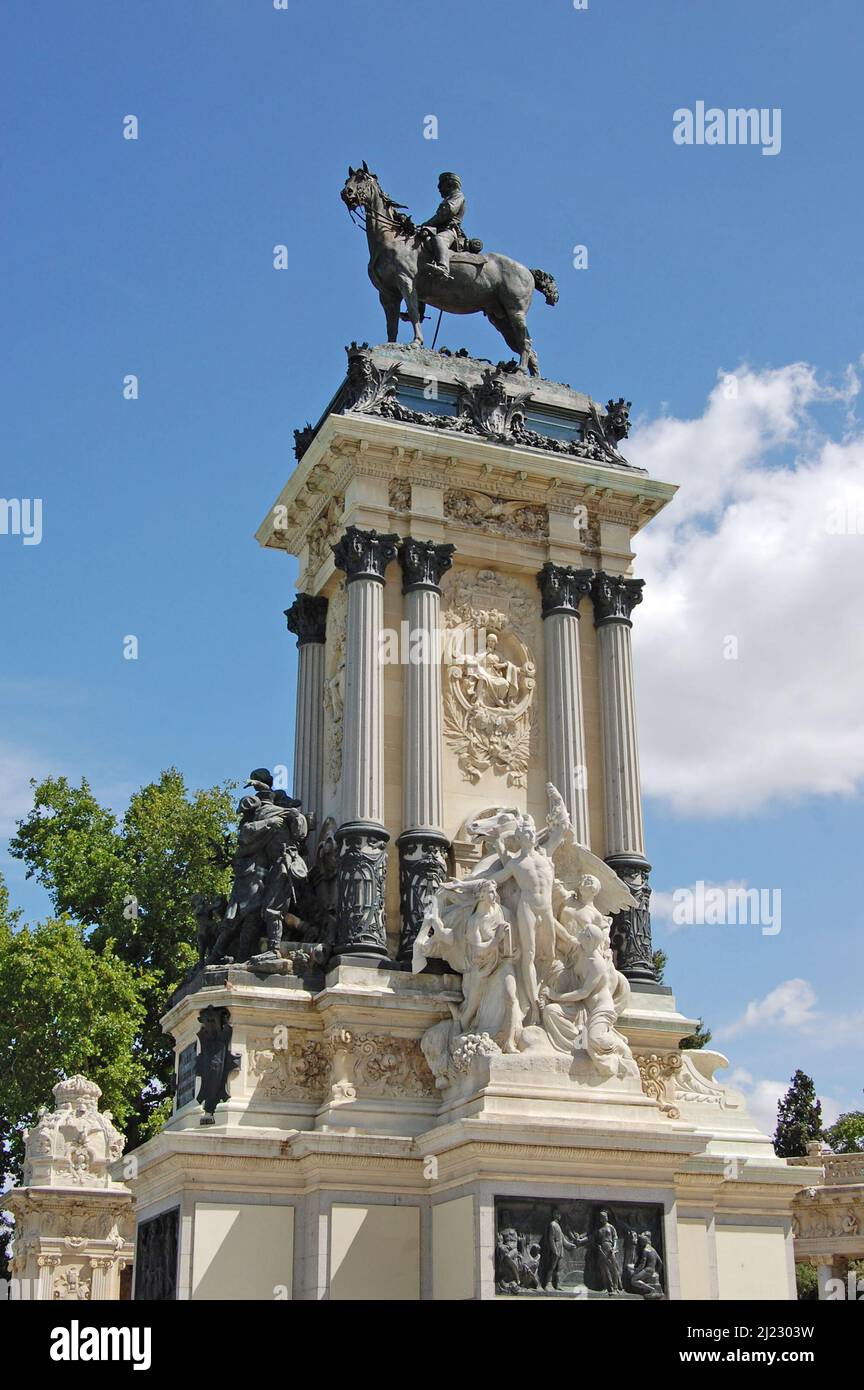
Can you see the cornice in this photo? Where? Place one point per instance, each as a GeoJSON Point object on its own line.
{"type": "Point", "coordinates": [354, 445]}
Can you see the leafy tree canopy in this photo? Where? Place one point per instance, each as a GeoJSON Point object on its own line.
{"type": "Point", "coordinates": [129, 883]}
{"type": "Point", "coordinates": [66, 1009]}
{"type": "Point", "coordinates": [846, 1135]}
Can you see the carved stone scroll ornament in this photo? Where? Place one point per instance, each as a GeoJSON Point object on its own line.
{"type": "Point", "coordinates": [385, 1065]}
{"type": "Point", "coordinates": [657, 1071]}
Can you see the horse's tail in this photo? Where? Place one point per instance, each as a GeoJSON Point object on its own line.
{"type": "Point", "coordinates": [546, 285]}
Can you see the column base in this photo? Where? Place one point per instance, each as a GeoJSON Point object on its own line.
{"type": "Point", "coordinates": [631, 929]}
{"type": "Point", "coordinates": [361, 925]}
{"type": "Point", "coordinates": [422, 868]}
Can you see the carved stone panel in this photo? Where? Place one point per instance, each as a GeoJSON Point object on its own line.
{"type": "Point", "coordinates": [289, 1066]}
{"type": "Point", "coordinates": [390, 1066]}
{"type": "Point", "coordinates": [489, 675]}
{"type": "Point", "coordinates": [484, 512]}
{"type": "Point", "coordinates": [579, 1249]}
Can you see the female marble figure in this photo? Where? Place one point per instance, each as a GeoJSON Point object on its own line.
{"type": "Point", "coordinates": [473, 936]}
{"type": "Point", "coordinates": [492, 680]}
{"type": "Point", "coordinates": [467, 927]}
{"type": "Point", "coordinates": [584, 973]}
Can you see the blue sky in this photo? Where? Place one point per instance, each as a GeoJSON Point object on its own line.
{"type": "Point", "coordinates": [154, 257]}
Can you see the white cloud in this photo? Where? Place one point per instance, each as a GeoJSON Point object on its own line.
{"type": "Point", "coordinates": [789, 1005]}
{"type": "Point", "coordinates": [792, 1005]}
{"type": "Point", "coordinates": [749, 549]}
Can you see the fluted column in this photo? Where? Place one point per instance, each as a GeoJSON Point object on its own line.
{"type": "Point", "coordinates": [362, 839]}
{"type": "Point", "coordinates": [561, 587]}
{"type": "Point", "coordinates": [614, 598]}
{"type": "Point", "coordinates": [307, 619]}
{"type": "Point", "coordinates": [422, 844]}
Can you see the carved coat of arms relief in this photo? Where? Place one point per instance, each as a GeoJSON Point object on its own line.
{"type": "Point", "coordinates": [490, 676]}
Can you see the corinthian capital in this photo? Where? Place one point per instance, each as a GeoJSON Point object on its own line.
{"type": "Point", "coordinates": [364, 554]}
{"type": "Point", "coordinates": [615, 598]}
{"type": "Point", "coordinates": [424, 563]}
{"type": "Point", "coordinates": [307, 618]}
{"type": "Point", "coordinates": [561, 588]}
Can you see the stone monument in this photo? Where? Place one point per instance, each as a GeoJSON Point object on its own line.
{"type": "Point", "coordinates": [434, 1061]}
{"type": "Point", "coordinates": [73, 1221]}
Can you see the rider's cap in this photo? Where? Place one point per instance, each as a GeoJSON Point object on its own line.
{"type": "Point", "coordinates": [260, 774]}
{"type": "Point", "coordinates": [450, 178]}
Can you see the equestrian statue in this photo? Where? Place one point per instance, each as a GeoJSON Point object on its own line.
{"type": "Point", "coordinates": [437, 264]}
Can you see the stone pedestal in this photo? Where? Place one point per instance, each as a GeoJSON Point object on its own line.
{"type": "Point", "coordinates": [73, 1221]}
{"type": "Point", "coordinates": [338, 1170]}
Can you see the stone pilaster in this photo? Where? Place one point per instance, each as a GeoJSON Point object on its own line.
{"type": "Point", "coordinates": [362, 839]}
{"type": "Point", "coordinates": [307, 619]}
{"type": "Point", "coordinates": [422, 844]}
{"type": "Point", "coordinates": [614, 598]}
{"type": "Point", "coordinates": [561, 588]}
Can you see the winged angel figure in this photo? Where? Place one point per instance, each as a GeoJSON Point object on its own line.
{"type": "Point", "coordinates": [529, 931]}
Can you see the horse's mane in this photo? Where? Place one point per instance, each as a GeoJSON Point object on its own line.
{"type": "Point", "coordinates": [390, 204]}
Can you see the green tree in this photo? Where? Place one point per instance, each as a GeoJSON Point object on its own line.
{"type": "Point", "coordinates": [846, 1135]}
{"type": "Point", "coordinates": [8, 915]}
{"type": "Point", "coordinates": [66, 1009]}
{"type": "Point", "coordinates": [129, 883]}
{"type": "Point", "coordinates": [701, 1038]}
{"type": "Point", "coordinates": [799, 1118]}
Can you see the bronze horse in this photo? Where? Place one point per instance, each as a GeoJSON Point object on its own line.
{"type": "Point", "coordinates": [492, 284]}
